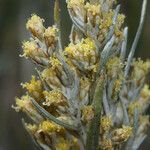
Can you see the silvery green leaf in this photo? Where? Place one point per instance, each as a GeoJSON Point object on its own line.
{"type": "Point", "coordinates": [51, 117]}
{"type": "Point", "coordinates": [135, 42]}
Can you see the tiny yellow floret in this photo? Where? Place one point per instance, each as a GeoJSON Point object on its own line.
{"type": "Point", "coordinates": [145, 93]}
{"type": "Point", "coordinates": [94, 9]}
{"type": "Point", "coordinates": [53, 97]}
{"type": "Point", "coordinates": [31, 128]}
{"type": "Point", "coordinates": [106, 144]}
{"type": "Point", "coordinates": [88, 113]}
{"type": "Point", "coordinates": [106, 123]}
{"type": "Point", "coordinates": [23, 103]}
{"type": "Point", "coordinates": [55, 62]}
{"type": "Point", "coordinates": [133, 106]}
{"type": "Point", "coordinates": [34, 87]}
{"type": "Point", "coordinates": [74, 3]}
{"type": "Point", "coordinates": [49, 127]}
{"type": "Point", "coordinates": [63, 144]}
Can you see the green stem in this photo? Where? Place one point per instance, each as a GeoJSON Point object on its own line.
{"type": "Point", "coordinates": [92, 142]}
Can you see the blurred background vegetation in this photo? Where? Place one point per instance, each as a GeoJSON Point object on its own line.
{"type": "Point", "coordinates": [13, 70]}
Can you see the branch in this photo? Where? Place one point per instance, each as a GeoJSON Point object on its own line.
{"type": "Point", "coordinates": [134, 45]}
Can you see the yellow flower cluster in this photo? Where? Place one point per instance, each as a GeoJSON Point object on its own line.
{"type": "Point", "coordinates": [34, 87]}
{"type": "Point", "coordinates": [106, 144]}
{"type": "Point", "coordinates": [145, 66]}
{"type": "Point", "coordinates": [73, 3]}
{"type": "Point", "coordinates": [55, 63]}
{"type": "Point", "coordinates": [122, 134]}
{"type": "Point", "coordinates": [113, 66]}
{"type": "Point", "coordinates": [145, 93]}
{"type": "Point", "coordinates": [44, 42]}
{"type": "Point", "coordinates": [23, 103]}
{"type": "Point", "coordinates": [87, 113]}
{"type": "Point", "coordinates": [35, 25]}
{"type": "Point", "coordinates": [32, 128]}
{"type": "Point", "coordinates": [116, 88]}
{"type": "Point", "coordinates": [94, 9]}
{"type": "Point", "coordinates": [63, 144]}
{"type": "Point", "coordinates": [53, 97]}
{"type": "Point", "coordinates": [144, 120]}
{"type": "Point", "coordinates": [85, 85]}
{"type": "Point", "coordinates": [49, 127]}
{"type": "Point", "coordinates": [106, 123]}
{"type": "Point", "coordinates": [140, 70]}
{"type": "Point", "coordinates": [57, 135]}
{"type": "Point", "coordinates": [85, 50]}
{"type": "Point", "coordinates": [132, 107]}
{"type": "Point", "coordinates": [106, 22]}
{"type": "Point", "coordinates": [30, 49]}
{"type": "Point", "coordinates": [49, 75]}
{"type": "Point", "coordinates": [120, 20]}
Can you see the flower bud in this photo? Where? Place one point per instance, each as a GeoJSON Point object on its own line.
{"type": "Point", "coordinates": [121, 134]}
{"type": "Point", "coordinates": [88, 113]}
{"type": "Point", "coordinates": [50, 36]}
{"type": "Point", "coordinates": [35, 26]}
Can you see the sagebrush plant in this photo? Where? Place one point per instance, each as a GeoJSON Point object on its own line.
{"type": "Point", "coordinates": [87, 95]}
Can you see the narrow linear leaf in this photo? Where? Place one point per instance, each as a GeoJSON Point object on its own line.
{"type": "Point", "coordinates": [94, 124]}
{"type": "Point", "coordinates": [51, 117]}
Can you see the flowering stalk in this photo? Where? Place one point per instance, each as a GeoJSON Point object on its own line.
{"type": "Point", "coordinates": [87, 95]}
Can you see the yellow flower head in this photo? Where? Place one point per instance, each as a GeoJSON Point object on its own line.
{"type": "Point", "coordinates": [31, 128]}
{"type": "Point", "coordinates": [122, 134]}
{"type": "Point", "coordinates": [50, 36]}
{"type": "Point", "coordinates": [113, 66]}
{"type": "Point", "coordinates": [55, 62]}
{"type": "Point", "coordinates": [49, 127]}
{"type": "Point", "coordinates": [74, 3]}
{"type": "Point", "coordinates": [140, 70]}
{"type": "Point", "coordinates": [133, 106]}
{"type": "Point", "coordinates": [116, 88]}
{"type": "Point", "coordinates": [30, 49]}
{"type": "Point", "coordinates": [49, 75]}
{"type": "Point", "coordinates": [23, 103]}
{"type": "Point", "coordinates": [53, 97]}
{"type": "Point", "coordinates": [94, 9]}
{"type": "Point", "coordinates": [84, 50]}
{"type": "Point", "coordinates": [84, 83]}
{"type": "Point", "coordinates": [144, 119]}
{"type": "Point", "coordinates": [106, 123]}
{"type": "Point", "coordinates": [34, 87]}
{"type": "Point", "coordinates": [145, 93]}
{"type": "Point", "coordinates": [106, 21]}
{"type": "Point", "coordinates": [63, 144]}
{"type": "Point", "coordinates": [106, 144]}
{"type": "Point", "coordinates": [88, 113]}
{"type": "Point", "coordinates": [120, 20]}
{"type": "Point", "coordinates": [35, 25]}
